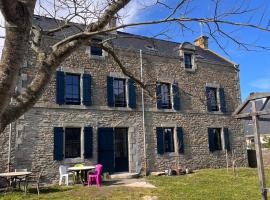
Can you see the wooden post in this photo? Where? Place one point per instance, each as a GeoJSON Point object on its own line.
{"type": "Point", "coordinates": [260, 166]}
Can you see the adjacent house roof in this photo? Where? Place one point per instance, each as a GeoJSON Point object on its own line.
{"type": "Point", "coordinates": [244, 111]}
{"type": "Point", "coordinates": [136, 42]}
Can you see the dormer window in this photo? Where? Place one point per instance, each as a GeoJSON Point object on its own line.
{"type": "Point", "coordinates": [96, 51]}
{"type": "Point", "coordinates": [187, 54]}
{"type": "Point", "coordinates": [188, 60]}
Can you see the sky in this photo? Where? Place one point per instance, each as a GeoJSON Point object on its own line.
{"type": "Point", "coordinates": [254, 65]}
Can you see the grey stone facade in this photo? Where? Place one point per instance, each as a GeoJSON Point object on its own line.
{"type": "Point", "coordinates": [32, 135]}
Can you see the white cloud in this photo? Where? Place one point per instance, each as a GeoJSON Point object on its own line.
{"type": "Point", "coordinates": [263, 83]}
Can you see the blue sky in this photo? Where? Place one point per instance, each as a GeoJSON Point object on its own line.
{"type": "Point", "coordinates": [254, 65]}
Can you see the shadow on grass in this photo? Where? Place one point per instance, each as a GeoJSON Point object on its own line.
{"type": "Point", "coordinates": [46, 190]}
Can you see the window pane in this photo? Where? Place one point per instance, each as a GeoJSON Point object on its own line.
{"type": "Point", "coordinates": [188, 60]}
{"type": "Point", "coordinates": [119, 92]}
{"type": "Point", "coordinates": [165, 96]}
{"type": "Point", "coordinates": [217, 138]}
{"type": "Point", "coordinates": [72, 142]}
{"type": "Point", "coordinates": [168, 140]}
{"type": "Point", "coordinates": [212, 99]}
{"type": "Point", "coordinates": [72, 89]}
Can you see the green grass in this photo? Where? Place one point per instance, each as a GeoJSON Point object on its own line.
{"type": "Point", "coordinates": [203, 184]}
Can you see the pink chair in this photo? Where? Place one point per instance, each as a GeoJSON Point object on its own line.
{"type": "Point", "coordinates": [95, 176]}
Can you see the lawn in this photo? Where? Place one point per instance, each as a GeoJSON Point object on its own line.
{"type": "Point", "coordinates": [202, 184]}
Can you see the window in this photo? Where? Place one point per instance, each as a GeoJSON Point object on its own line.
{"type": "Point", "coordinates": [212, 100]}
{"type": "Point", "coordinates": [119, 92]}
{"type": "Point", "coordinates": [188, 60]}
{"type": "Point", "coordinates": [72, 142]}
{"type": "Point", "coordinates": [217, 138]}
{"type": "Point", "coordinates": [165, 96]}
{"type": "Point", "coordinates": [72, 89]}
{"type": "Point", "coordinates": [168, 140]}
{"type": "Point", "coordinates": [96, 51]}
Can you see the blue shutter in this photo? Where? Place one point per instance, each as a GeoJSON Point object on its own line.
{"type": "Point", "coordinates": [60, 87]}
{"type": "Point", "coordinates": [158, 96]}
{"type": "Point", "coordinates": [58, 143]}
{"type": "Point", "coordinates": [176, 96]}
{"type": "Point", "coordinates": [226, 139]}
{"type": "Point", "coordinates": [208, 101]}
{"type": "Point", "coordinates": [131, 93]}
{"type": "Point", "coordinates": [180, 137]}
{"type": "Point", "coordinates": [160, 140]}
{"type": "Point", "coordinates": [211, 140]}
{"type": "Point", "coordinates": [88, 142]}
{"type": "Point", "coordinates": [222, 100]}
{"type": "Point", "coordinates": [110, 97]}
{"type": "Point", "coordinates": [87, 90]}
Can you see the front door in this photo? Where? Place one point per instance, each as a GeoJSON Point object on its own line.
{"type": "Point", "coordinates": [121, 149]}
{"type": "Point", "coordinates": [106, 149]}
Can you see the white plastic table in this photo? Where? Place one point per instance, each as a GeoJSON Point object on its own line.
{"type": "Point", "coordinates": [83, 170]}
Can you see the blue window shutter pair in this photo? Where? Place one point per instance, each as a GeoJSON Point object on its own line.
{"type": "Point", "coordinates": [131, 93]}
{"type": "Point", "coordinates": [88, 142]}
{"type": "Point", "coordinates": [60, 88]}
{"type": "Point", "coordinates": [211, 140]}
{"type": "Point", "coordinates": [87, 101]}
{"type": "Point", "coordinates": [59, 139]}
{"type": "Point", "coordinates": [221, 97]}
{"type": "Point", "coordinates": [160, 140]}
{"type": "Point", "coordinates": [58, 143]}
{"type": "Point", "coordinates": [158, 96]}
{"type": "Point", "coordinates": [180, 138]}
{"type": "Point", "coordinates": [176, 97]}
{"type": "Point", "coordinates": [222, 100]}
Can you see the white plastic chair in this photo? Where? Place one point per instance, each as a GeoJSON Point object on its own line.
{"type": "Point", "coordinates": [64, 173]}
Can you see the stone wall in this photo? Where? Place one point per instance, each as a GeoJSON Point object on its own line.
{"type": "Point", "coordinates": [32, 145]}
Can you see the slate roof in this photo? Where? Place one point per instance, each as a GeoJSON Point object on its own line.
{"type": "Point", "coordinates": [136, 42]}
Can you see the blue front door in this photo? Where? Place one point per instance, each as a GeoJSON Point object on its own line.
{"type": "Point", "coordinates": [106, 149]}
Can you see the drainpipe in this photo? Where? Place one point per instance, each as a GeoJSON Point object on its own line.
{"type": "Point", "coordinates": [143, 118]}
{"type": "Point", "coordinates": [9, 146]}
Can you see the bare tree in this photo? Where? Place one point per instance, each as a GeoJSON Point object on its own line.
{"type": "Point", "coordinates": [95, 15]}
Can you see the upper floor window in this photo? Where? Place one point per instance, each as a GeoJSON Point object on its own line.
{"type": "Point", "coordinates": [168, 140]}
{"type": "Point", "coordinates": [212, 99]}
{"type": "Point", "coordinates": [119, 92]}
{"type": "Point", "coordinates": [164, 96]}
{"type": "Point", "coordinates": [96, 51]}
{"type": "Point", "coordinates": [188, 60]}
{"type": "Point", "coordinates": [215, 99]}
{"type": "Point", "coordinates": [72, 89]}
{"type": "Point", "coordinates": [69, 88]}
{"type": "Point", "coordinates": [72, 142]}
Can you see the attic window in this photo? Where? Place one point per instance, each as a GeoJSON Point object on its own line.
{"type": "Point", "coordinates": [149, 47]}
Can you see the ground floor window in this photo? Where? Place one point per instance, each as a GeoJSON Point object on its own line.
{"type": "Point", "coordinates": [72, 142]}
{"type": "Point", "coordinates": [168, 140]}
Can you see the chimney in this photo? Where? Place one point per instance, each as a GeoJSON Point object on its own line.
{"type": "Point", "coordinates": [112, 24]}
{"type": "Point", "coordinates": [202, 42]}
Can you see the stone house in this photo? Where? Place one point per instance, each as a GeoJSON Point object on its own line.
{"type": "Point", "coordinates": [92, 113]}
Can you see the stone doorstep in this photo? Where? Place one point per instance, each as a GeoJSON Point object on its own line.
{"type": "Point", "coordinates": [124, 175]}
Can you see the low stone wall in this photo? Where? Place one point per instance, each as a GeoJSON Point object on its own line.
{"type": "Point", "coordinates": [266, 157]}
